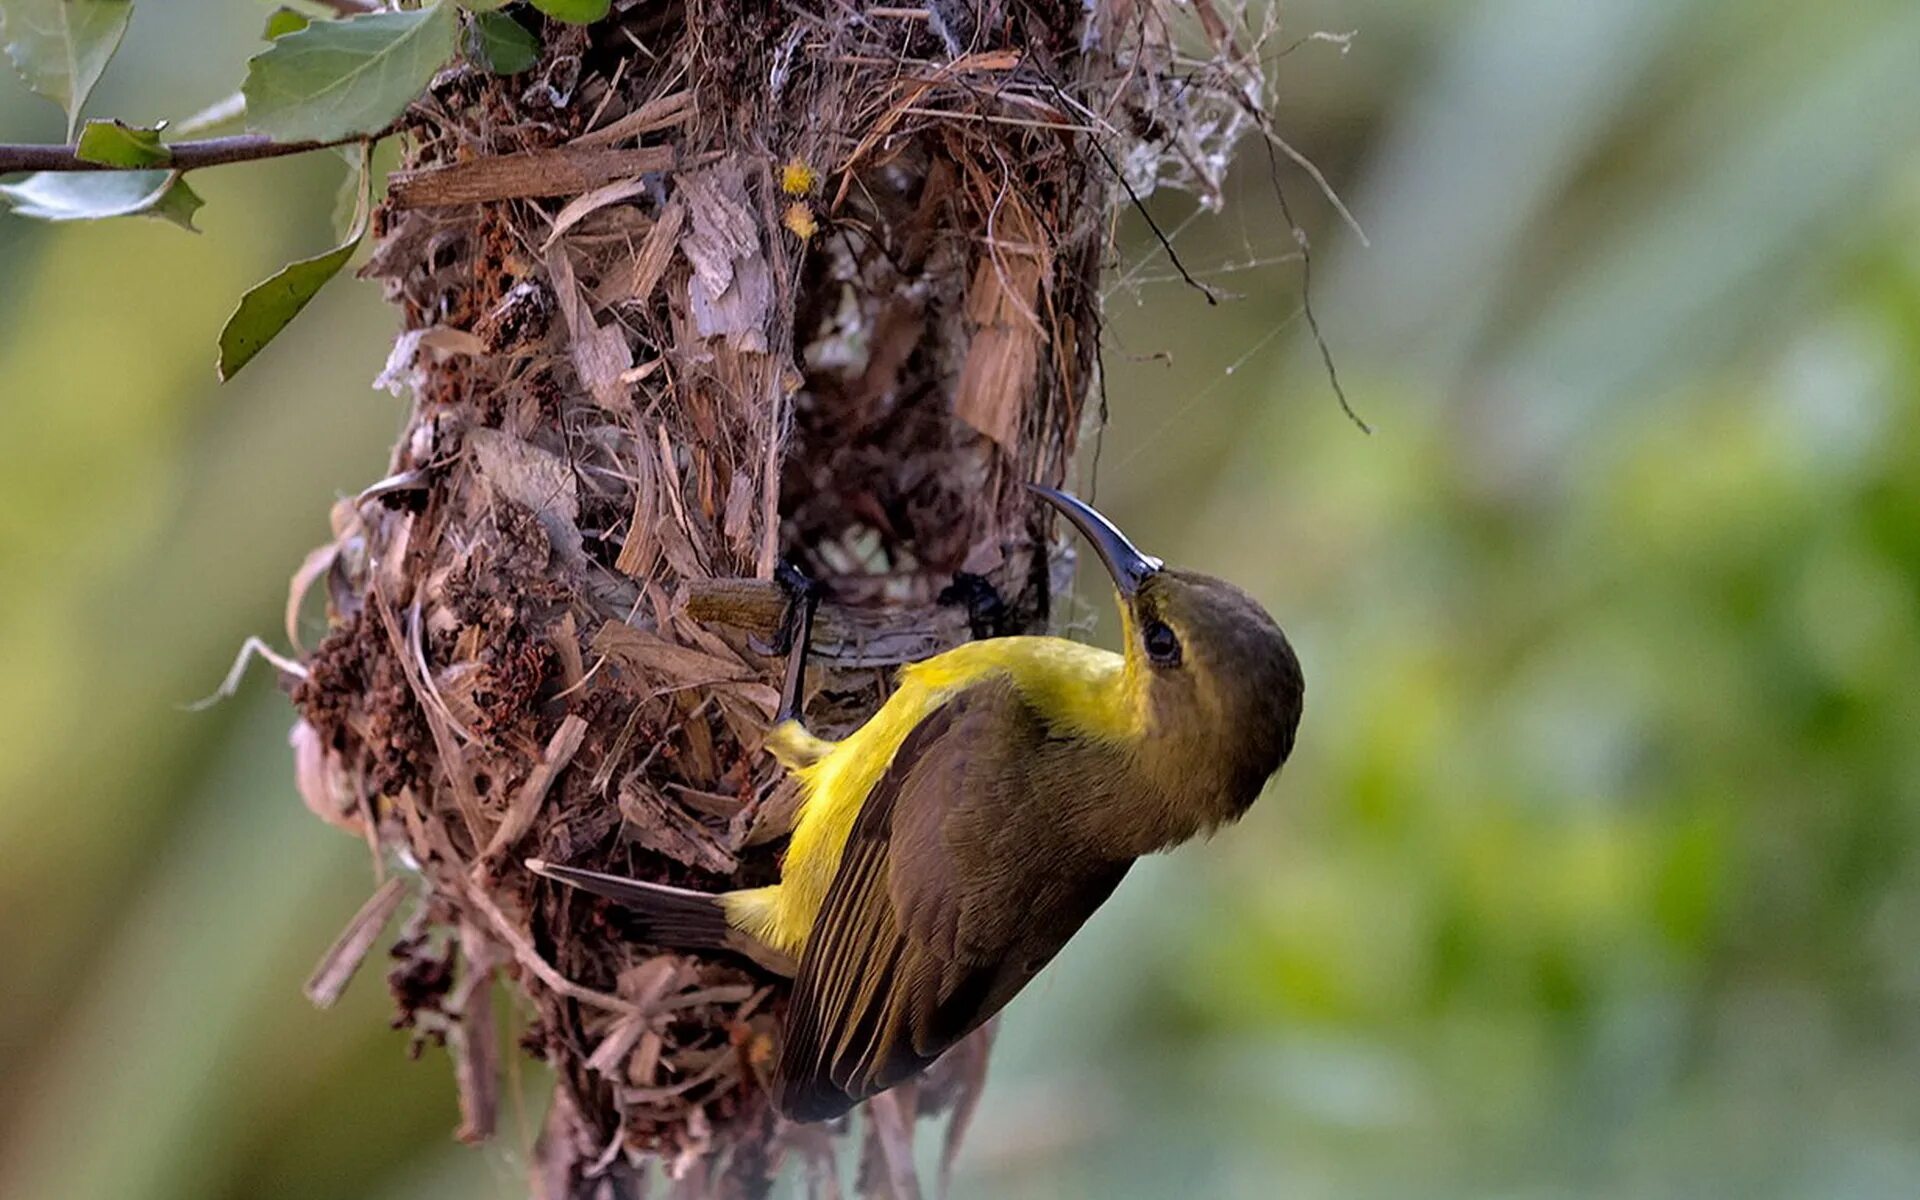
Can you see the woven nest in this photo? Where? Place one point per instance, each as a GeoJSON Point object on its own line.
{"type": "Point", "coordinates": [703, 289]}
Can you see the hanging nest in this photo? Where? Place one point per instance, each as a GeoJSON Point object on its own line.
{"type": "Point", "coordinates": [710, 285]}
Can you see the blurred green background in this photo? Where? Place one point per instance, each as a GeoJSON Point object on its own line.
{"type": "Point", "coordinates": [1597, 871]}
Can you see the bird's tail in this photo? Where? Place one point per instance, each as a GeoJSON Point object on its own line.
{"type": "Point", "coordinates": [670, 916]}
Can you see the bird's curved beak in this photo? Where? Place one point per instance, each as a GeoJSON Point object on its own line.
{"type": "Point", "coordinates": [1123, 561]}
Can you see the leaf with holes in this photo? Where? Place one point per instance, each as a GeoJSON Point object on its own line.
{"type": "Point", "coordinates": [60, 47]}
{"type": "Point", "coordinates": [95, 195]}
{"type": "Point", "coordinates": [117, 144]}
{"type": "Point", "coordinates": [340, 79]}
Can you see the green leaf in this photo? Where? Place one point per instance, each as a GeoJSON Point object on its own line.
{"type": "Point", "coordinates": [60, 47]}
{"type": "Point", "coordinates": [501, 44]}
{"type": "Point", "coordinates": [284, 20]}
{"type": "Point", "coordinates": [117, 144]}
{"type": "Point", "coordinates": [94, 195]}
{"type": "Point", "coordinates": [350, 198]}
{"type": "Point", "coordinates": [269, 305]}
{"type": "Point", "coordinates": [340, 79]}
{"type": "Point", "coordinates": [483, 6]}
{"type": "Point", "coordinates": [577, 12]}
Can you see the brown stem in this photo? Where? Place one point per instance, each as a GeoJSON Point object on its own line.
{"type": "Point", "coordinates": [185, 156]}
{"type": "Point", "coordinates": [352, 8]}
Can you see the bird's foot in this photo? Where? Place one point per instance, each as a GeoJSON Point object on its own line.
{"type": "Point", "coordinates": [803, 595]}
{"type": "Point", "coordinates": [794, 636]}
{"type": "Point", "coordinates": [987, 612]}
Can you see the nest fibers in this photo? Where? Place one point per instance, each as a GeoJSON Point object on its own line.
{"type": "Point", "coordinates": [710, 284]}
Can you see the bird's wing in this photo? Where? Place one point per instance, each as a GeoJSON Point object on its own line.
{"type": "Point", "coordinates": [959, 881]}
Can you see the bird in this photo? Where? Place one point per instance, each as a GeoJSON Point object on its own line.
{"type": "Point", "coordinates": [944, 851]}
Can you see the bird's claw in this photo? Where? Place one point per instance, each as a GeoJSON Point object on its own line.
{"type": "Point", "coordinates": [802, 590]}
{"type": "Point", "coordinates": [987, 612]}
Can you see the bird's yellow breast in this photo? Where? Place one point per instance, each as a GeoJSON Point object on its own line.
{"type": "Point", "coordinates": [1082, 689]}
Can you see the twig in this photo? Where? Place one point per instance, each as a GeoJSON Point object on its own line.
{"type": "Point", "coordinates": [349, 950]}
{"type": "Point", "coordinates": [250, 649]}
{"type": "Point", "coordinates": [430, 832]}
{"type": "Point", "coordinates": [1139, 205]}
{"type": "Point", "coordinates": [474, 1040]}
{"type": "Point", "coordinates": [565, 172]}
{"type": "Point", "coordinates": [526, 802]}
{"type": "Point", "coordinates": [530, 958]}
{"type": "Point", "coordinates": [182, 156]}
{"type": "Point", "coordinates": [1306, 290]}
{"type": "Point", "coordinates": [451, 760]}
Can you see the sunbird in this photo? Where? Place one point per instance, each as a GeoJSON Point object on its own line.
{"type": "Point", "coordinates": [946, 850]}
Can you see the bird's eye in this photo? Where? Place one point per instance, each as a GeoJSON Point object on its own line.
{"type": "Point", "coordinates": [1162, 646]}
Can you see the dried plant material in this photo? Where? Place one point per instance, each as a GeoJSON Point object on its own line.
{"type": "Point", "coordinates": [665, 664]}
{"type": "Point", "coordinates": [528, 957]}
{"type": "Point", "coordinates": [956, 1083]}
{"type": "Point", "coordinates": [317, 563]}
{"type": "Point", "coordinates": [342, 959]}
{"type": "Point", "coordinates": [565, 640]}
{"type": "Point", "coordinates": [401, 371]}
{"type": "Point", "coordinates": [843, 635]}
{"type": "Point", "coordinates": [563, 1150]}
{"type": "Point", "coordinates": [600, 352]}
{"type": "Point", "coordinates": [321, 780]}
{"type": "Point", "coordinates": [681, 550]}
{"type": "Point", "coordinates": [771, 820]}
{"type": "Point", "coordinates": [633, 280]}
{"type": "Point", "coordinates": [473, 1039]}
{"type": "Point", "coordinates": [717, 1066]}
{"type": "Point", "coordinates": [738, 524]}
{"type": "Point", "coordinates": [580, 208]}
{"type": "Point", "coordinates": [446, 342]}
{"type": "Point", "coordinates": [640, 548]}
{"type": "Point", "coordinates": [526, 802]}
{"type": "Point", "coordinates": [439, 723]}
{"type": "Point", "coordinates": [730, 290]}
{"type": "Point", "coordinates": [567, 172]}
{"type": "Point", "coordinates": [611, 1055]}
{"type": "Point", "coordinates": [660, 825]}
{"type": "Point", "coordinates": [643, 986]}
{"type": "Point", "coordinates": [641, 373]}
{"type": "Point", "coordinates": [891, 1129]}
{"type": "Point", "coordinates": [1003, 304]}
{"type": "Point", "coordinates": [535, 479]}
{"type": "Point", "coordinates": [250, 649]}
{"type": "Point", "coordinates": [664, 112]}
{"type": "Point", "coordinates": [518, 320]}
{"type": "Point", "coordinates": [905, 98]}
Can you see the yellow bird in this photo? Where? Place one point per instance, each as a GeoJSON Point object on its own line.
{"type": "Point", "coordinates": [945, 850]}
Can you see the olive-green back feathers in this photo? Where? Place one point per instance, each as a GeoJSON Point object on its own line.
{"type": "Point", "coordinates": [995, 832]}
{"type": "Point", "coordinates": [959, 882]}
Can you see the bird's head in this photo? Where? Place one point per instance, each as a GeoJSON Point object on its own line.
{"type": "Point", "coordinates": [1219, 687]}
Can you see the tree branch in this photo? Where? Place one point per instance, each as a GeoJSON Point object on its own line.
{"type": "Point", "coordinates": [186, 156]}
